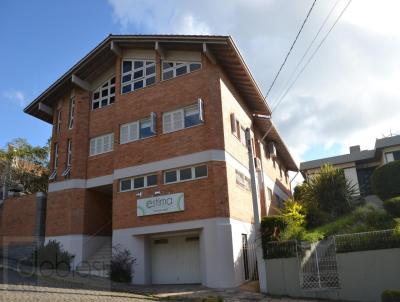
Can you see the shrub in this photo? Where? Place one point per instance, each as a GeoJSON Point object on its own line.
{"type": "Point", "coordinates": [392, 206]}
{"type": "Point", "coordinates": [390, 296]}
{"type": "Point", "coordinates": [386, 180]}
{"type": "Point", "coordinates": [121, 265]}
{"type": "Point", "coordinates": [293, 215]}
{"type": "Point", "coordinates": [52, 256]}
{"type": "Point", "coordinates": [271, 227]}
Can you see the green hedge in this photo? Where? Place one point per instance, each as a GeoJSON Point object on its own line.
{"type": "Point", "coordinates": [392, 206]}
{"type": "Point", "coordinates": [386, 180]}
{"type": "Point", "coordinates": [390, 296]}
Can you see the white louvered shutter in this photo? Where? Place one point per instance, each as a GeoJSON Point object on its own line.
{"type": "Point", "coordinates": [124, 134]}
{"type": "Point", "coordinates": [167, 122]}
{"type": "Point", "coordinates": [134, 131]}
{"type": "Point", "coordinates": [92, 146]}
{"type": "Point", "coordinates": [177, 118]}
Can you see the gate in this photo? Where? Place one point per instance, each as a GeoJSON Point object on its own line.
{"type": "Point", "coordinates": [318, 265]}
{"type": "Point", "coordinates": [249, 257]}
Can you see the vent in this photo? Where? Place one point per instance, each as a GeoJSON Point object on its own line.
{"type": "Point", "coordinates": [161, 241]}
{"type": "Point", "coordinates": [194, 238]}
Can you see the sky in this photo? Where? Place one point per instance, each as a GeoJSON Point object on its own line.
{"type": "Point", "coordinates": [349, 93]}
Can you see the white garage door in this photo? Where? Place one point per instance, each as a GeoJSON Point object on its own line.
{"type": "Point", "coordinates": [176, 260]}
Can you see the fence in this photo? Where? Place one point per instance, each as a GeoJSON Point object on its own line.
{"type": "Point", "coordinates": [250, 269]}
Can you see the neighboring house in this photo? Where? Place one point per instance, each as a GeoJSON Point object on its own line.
{"type": "Point", "coordinates": [149, 151]}
{"type": "Point", "coordinates": [359, 164]}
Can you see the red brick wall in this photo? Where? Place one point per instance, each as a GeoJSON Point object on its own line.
{"type": "Point", "coordinates": [18, 220]}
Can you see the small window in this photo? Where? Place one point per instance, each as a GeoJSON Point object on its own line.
{"type": "Point", "coordinates": [69, 153]}
{"type": "Point", "coordinates": [185, 174]}
{"type": "Point", "coordinates": [174, 69]}
{"type": "Point", "coordinates": [151, 180]}
{"type": "Point", "coordinates": [58, 124]}
{"type": "Point", "coordinates": [71, 112]}
{"type": "Point", "coordinates": [137, 74]}
{"type": "Point", "coordinates": [242, 136]}
{"type": "Point", "coordinates": [138, 130]}
{"type": "Point", "coordinates": [101, 144]}
{"type": "Point", "coordinates": [200, 171]}
{"type": "Point", "coordinates": [192, 117]}
{"type": "Point", "coordinates": [125, 184]}
{"type": "Point", "coordinates": [183, 118]}
{"type": "Point", "coordinates": [145, 128]}
{"type": "Point", "coordinates": [55, 156]}
{"type": "Point", "coordinates": [170, 176]}
{"type": "Point", "coordinates": [138, 182]}
{"type": "Point", "coordinates": [104, 95]}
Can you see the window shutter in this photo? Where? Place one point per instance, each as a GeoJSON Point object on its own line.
{"type": "Point", "coordinates": [167, 122]}
{"type": "Point", "coordinates": [233, 124]}
{"type": "Point", "coordinates": [106, 143]}
{"type": "Point", "coordinates": [92, 146]}
{"type": "Point", "coordinates": [134, 131]}
{"type": "Point", "coordinates": [177, 120]}
{"type": "Point", "coordinates": [111, 141]}
{"type": "Point", "coordinates": [200, 108]}
{"type": "Point", "coordinates": [124, 134]}
{"type": "Point", "coordinates": [153, 121]}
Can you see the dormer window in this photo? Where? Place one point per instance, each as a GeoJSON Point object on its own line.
{"type": "Point", "coordinates": [174, 69]}
{"type": "Point", "coordinates": [137, 74]}
{"type": "Point", "coordinates": [104, 95]}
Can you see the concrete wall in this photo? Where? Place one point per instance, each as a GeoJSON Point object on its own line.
{"type": "Point", "coordinates": [362, 276]}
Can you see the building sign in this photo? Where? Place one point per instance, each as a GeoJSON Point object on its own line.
{"type": "Point", "coordinates": [160, 204]}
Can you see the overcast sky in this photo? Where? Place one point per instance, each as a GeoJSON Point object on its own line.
{"type": "Point", "coordinates": [349, 94]}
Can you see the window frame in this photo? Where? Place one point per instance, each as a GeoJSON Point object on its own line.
{"type": "Point", "coordinates": [111, 135]}
{"type": "Point", "coordinates": [99, 89]}
{"type": "Point", "coordinates": [69, 153]}
{"type": "Point", "coordinates": [55, 162]}
{"type": "Point", "coordinates": [59, 119]}
{"type": "Point", "coordinates": [178, 174]}
{"type": "Point", "coordinates": [71, 112]}
{"type": "Point", "coordinates": [152, 118]}
{"type": "Point", "coordinates": [132, 181]}
{"type": "Point", "coordinates": [246, 180]}
{"type": "Point", "coordinates": [175, 67]}
{"type": "Point", "coordinates": [182, 110]}
{"type": "Point", "coordinates": [132, 72]}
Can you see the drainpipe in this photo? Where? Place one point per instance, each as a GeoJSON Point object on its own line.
{"type": "Point", "coordinates": [261, 266]}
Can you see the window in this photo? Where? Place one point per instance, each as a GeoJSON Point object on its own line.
{"type": "Point", "coordinates": [101, 144]}
{"type": "Point", "coordinates": [242, 180]}
{"type": "Point", "coordinates": [234, 125]}
{"type": "Point", "coordinates": [53, 175]}
{"type": "Point", "coordinates": [58, 124]}
{"type": "Point", "coordinates": [138, 182]}
{"type": "Point", "coordinates": [185, 174]}
{"type": "Point", "coordinates": [269, 194]}
{"type": "Point", "coordinates": [71, 112]}
{"type": "Point", "coordinates": [396, 155]}
{"type": "Point", "coordinates": [137, 74]}
{"type": "Point", "coordinates": [69, 153]}
{"type": "Point", "coordinates": [174, 69]}
{"type": "Point", "coordinates": [104, 95]}
{"type": "Point", "coordinates": [242, 136]}
{"type": "Point", "coordinates": [138, 130]}
{"type": "Point", "coordinates": [183, 118]}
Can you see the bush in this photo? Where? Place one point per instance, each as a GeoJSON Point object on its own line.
{"type": "Point", "coordinates": [392, 206]}
{"type": "Point", "coordinates": [386, 180]}
{"type": "Point", "coordinates": [52, 256]}
{"type": "Point", "coordinates": [271, 227]}
{"type": "Point", "coordinates": [121, 265]}
{"type": "Point", "coordinates": [390, 296]}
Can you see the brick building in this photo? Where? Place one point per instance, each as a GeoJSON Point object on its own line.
{"type": "Point", "coordinates": [149, 152]}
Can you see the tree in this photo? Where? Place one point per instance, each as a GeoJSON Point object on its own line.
{"type": "Point", "coordinates": [24, 166]}
{"type": "Point", "coordinates": [327, 195]}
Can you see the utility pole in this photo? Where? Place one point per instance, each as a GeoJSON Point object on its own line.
{"type": "Point", "coordinates": [261, 266]}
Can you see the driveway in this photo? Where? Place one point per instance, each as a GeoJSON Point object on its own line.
{"type": "Point", "coordinates": [21, 288]}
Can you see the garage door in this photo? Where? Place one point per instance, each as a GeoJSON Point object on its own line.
{"type": "Point", "coordinates": [176, 260]}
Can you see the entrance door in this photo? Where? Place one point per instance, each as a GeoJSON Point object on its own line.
{"type": "Point", "coordinates": [176, 260]}
{"type": "Point", "coordinates": [364, 180]}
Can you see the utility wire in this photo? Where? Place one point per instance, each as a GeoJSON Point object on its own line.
{"type": "Point", "coordinates": [308, 48]}
{"type": "Point", "coordinates": [311, 57]}
{"type": "Point", "coordinates": [291, 48]}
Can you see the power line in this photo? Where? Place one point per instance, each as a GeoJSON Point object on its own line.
{"type": "Point", "coordinates": [291, 48]}
{"type": "Point", "coordinates": [309, 47]}
{"type": "Point", "coordinates": [311, 57]}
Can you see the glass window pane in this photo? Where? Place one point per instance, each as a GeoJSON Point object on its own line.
{"type": "Point", "coordinates": [125, 184]}
{"type": "Point", "coordinates": [151, 180]}
{"type": "Point", "coordinates": [126, 78]}
{"type": "Point", "coordinates": [113, 81]}
{"type": "Point", "coordinates": [138, 74]}
{"type": "Point", "coordinates": [200, 171]}
{"type": "Point", "coordinates": [185, 174]}
{"type": "Point", "coordinates": [126, 88]}
{"type": "Point", "coordinates": [138, 85]}
{"type": "Point", "coordinates": [150, 81]}
{"type": "Point", "coordinates": [138, 182]}
{"type": "Point", "coordinates": [112, 90]}
{"type": "Point", "coordinates": [96, 105]}
{"type": "Point", "coordinates": [104, 92]}
{"type": "Point", "coordinates": [167, 65]}
{"type": "Point", "coordinates": [191, 117]}
{"type": "Point", "coordinates": [150, 70]}
{"type": "Point", "coordinates": [195, 66]}
{"type": "Point", "coordinates": [138, 64]}
{"type": "Point", "coordinates": [181, 70]}
{"type": "Point", "coordinates": [126, 66]}
{"type": "Point", "coordinates": [168, 75]}
{"type": "Point", "coordinates": [96, 95]}
{"type": "Point", "coordinates": [112, 99]}
{"type": "Point", "coordinates": [145, 130]}
{"type": "Point", "coordinates": [149, 62]}
{"type": "Point", "coordinates": [170, 176]}
{"type": "Point", "coordinates": [104, 102]}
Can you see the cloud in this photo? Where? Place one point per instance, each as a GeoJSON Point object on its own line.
{"type": "Point", "coordinates": [349, 94]}
{"type": "Point", "coordinates": [16, 97]}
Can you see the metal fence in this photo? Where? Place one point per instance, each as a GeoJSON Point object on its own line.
{"type": "Point", "coordinates": [249, 256]}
